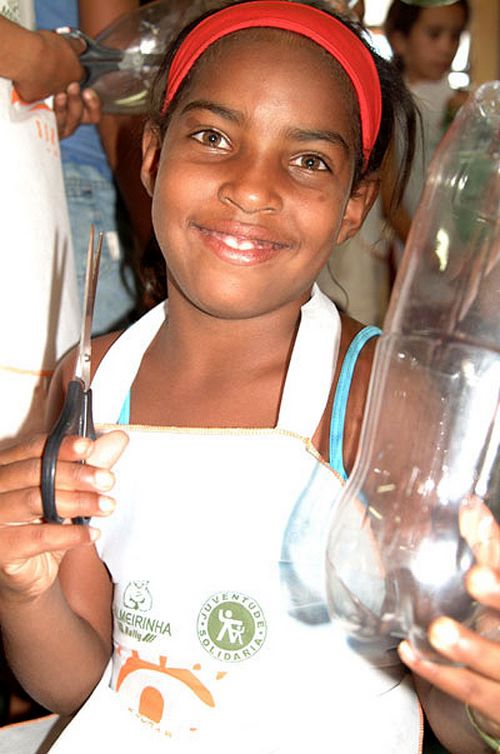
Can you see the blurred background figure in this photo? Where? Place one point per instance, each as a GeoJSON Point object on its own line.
{"type": "Point", "coordinates": [90, 159]}
{"type": "Point", "coordinates": [357, 275]}
{"type": "Point", "coordinates": [40, 308]}
{"type": "Point", "coordinates": [424, 42]}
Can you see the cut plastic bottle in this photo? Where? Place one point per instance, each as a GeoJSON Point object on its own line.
{"type": "Point", "coordinates": [424, 496]}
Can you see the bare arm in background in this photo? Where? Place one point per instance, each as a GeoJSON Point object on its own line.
{"type": "Point", "coordinates": [39, 63]}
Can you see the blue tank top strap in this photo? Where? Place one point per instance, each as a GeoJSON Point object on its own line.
{"type": "Point", "coordinates": [341, 396]}
{"type": "Point", "coordinates": [124, 417]}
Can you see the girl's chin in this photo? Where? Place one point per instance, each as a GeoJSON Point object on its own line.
{"type": "Point", "coordinates": [235, 302]}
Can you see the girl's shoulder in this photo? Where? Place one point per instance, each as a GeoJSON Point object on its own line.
{"type": "Point", "coordinates": [354, 378]}
{"type": "Point", "coordinates": [363, 362]}
{"type": "Point", "coordinates": [362, 370]}
{"type": "Point", "coordinates": [66, 368]}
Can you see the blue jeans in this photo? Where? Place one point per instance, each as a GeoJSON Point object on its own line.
{"type": "Point", "coordinates": [92, 200]}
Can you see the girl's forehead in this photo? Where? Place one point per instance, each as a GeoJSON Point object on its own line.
{"type": "Point", "coordinates": [443, 15]}
{"type": "Point", "coordinates": [262, 49]}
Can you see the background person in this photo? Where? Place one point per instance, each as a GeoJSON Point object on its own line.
{"type": "Point", "coordinates": [424, 42]}
{"type": "Point", "coordinates": [40, 308]}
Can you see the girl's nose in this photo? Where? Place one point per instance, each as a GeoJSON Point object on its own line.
{"type": "Point", "coordinates": [251, 187]}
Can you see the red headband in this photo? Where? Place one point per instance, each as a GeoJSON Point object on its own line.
{"type": "Point", "coordinates": [305, 20]}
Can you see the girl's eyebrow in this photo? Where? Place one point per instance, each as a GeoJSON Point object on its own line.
{"type": "Point", "coordinates": [298, 134]}
{"type": "Point", "coordinates": [224, 112]}
{"type": "Point", "coordinates": [333, 137]}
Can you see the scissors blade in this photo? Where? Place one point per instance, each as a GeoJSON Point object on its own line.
{"type": "Point", "coordinates": [82, 369]}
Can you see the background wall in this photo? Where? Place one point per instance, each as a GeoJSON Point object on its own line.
{"type": "Point", "coordinates": [485, 40]}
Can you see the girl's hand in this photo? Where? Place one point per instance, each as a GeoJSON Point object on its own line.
{"type": "Point", "coordinates": [75, 107]}
{"type": "Point", "coordinates": [31, 550]}
{"type": "Point", "coordinates": [477, 681]}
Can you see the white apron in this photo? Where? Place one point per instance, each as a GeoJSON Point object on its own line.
{"type": "Point", "coordinates": [39, 306]}
{"type": "Point", "coordinates": [216, 550]}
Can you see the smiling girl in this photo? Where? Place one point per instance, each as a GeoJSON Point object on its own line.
{"type": "Point", "coordinates": [193, 624]}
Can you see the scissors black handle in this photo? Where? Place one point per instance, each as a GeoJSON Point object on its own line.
{"type": "Point", "coordinates": [96, 59]}
{"type": "Point", "coordinates": [75, 419]}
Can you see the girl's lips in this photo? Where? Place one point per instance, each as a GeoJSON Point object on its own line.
{"type": "Point", "coordinates": [246, 247]}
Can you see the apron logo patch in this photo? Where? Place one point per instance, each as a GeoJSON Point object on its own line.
{"type": "Point", "coordinates": [231, 626]}
{"type": "Point", "coordinates": [132, 616]}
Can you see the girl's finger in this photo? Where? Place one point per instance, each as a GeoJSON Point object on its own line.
{"type": "Point", "coordinates": [464, 684]}
{"type": "Point", "coordinates": [35, 539]}
{"type": "Point", "coordinates": [107, 449]}
{"type": "Point", "coordinates": [481, 531]}
{"type": "Point", "coordinates": [21, 451]}
{"type": "Point", "coordinates": [483, 584]}
{"type": "Point", "coordinates": [93, 108]}
{"type": "Point", "coordinates": [25, 475]}
{"type": "Point", "coordinates": [101, 452]}
{"type": "Point", "coordinates": [72, 449]}
{"type": "Point", "coordinates": [463, 646]}
{"type": "Point", "coordinates": [25, 506]}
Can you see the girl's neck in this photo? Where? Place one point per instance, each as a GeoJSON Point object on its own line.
{"type": "Point", "coordinates": [195, 339]}
{"type": "Point", "coordinates": [206, 371]}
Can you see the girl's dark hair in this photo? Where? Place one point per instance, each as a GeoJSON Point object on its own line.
{"type": "Point", "coordinates": [402, 17]}
{"type": "Point", "coordinates": [399, 114]}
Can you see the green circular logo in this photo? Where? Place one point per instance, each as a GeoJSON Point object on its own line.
{"type": "Point", "coordinates": [231, 626]}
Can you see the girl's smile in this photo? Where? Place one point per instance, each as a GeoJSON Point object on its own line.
{"type": "Point", "coordinates": [243, 244]}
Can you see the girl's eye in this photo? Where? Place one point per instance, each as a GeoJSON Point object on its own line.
{"type": "Point", "coordinates": [310, 162]}
{"type": "Point", "coordinates": [433, 33]}
{"type": "Point", "coordinates": [211, 138]}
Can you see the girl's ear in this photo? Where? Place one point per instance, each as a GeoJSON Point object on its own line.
{"type": "Point", "coordinates": [151, 147]}
{"type": "Point", "coordinates": [358, 207]}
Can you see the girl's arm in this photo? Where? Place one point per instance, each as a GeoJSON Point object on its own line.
{"type": "Point", "coordinates": [55, 593]}
{"type": "Point", "coordinates": [40, 63]}
{"type": "Point", "coordinates": [56, 628]}
{"type": "Point", "coordinates": [95, 15]}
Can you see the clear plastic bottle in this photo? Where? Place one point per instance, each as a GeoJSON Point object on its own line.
{"type": "Point", "coordinates": [396, 556]}
{"type": "Point", "coordinates": [123, 60]}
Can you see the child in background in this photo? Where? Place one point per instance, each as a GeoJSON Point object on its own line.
{"type": "Point", "coordinates": [357, 275]}
{"type": "Point", "coordinates": [185, 626]}
{"type": "Point", "coordinates": [424, 42]}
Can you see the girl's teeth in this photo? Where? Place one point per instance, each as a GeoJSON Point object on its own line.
{"type": "Point", "coordinates": [233, 243]}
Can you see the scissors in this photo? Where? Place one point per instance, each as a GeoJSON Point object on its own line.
{"type": "Point", "coordinates": [76, 415]}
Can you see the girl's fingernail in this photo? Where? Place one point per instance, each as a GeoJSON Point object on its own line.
{"type": "Point", "coordinates": [481, 581]}
{"type": "Point", "coordinates": [106, 504]}
{"type": "Point", "coordinates": [104, 480]}
{"type": "Point", "coordinates": [82, 445]}
{"type": "Point", "coordinates": [94, 533]}
{"type": "Point", "coordinates": [443, 633]}
{"type": "Point", "coordinates": [406, 652]}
